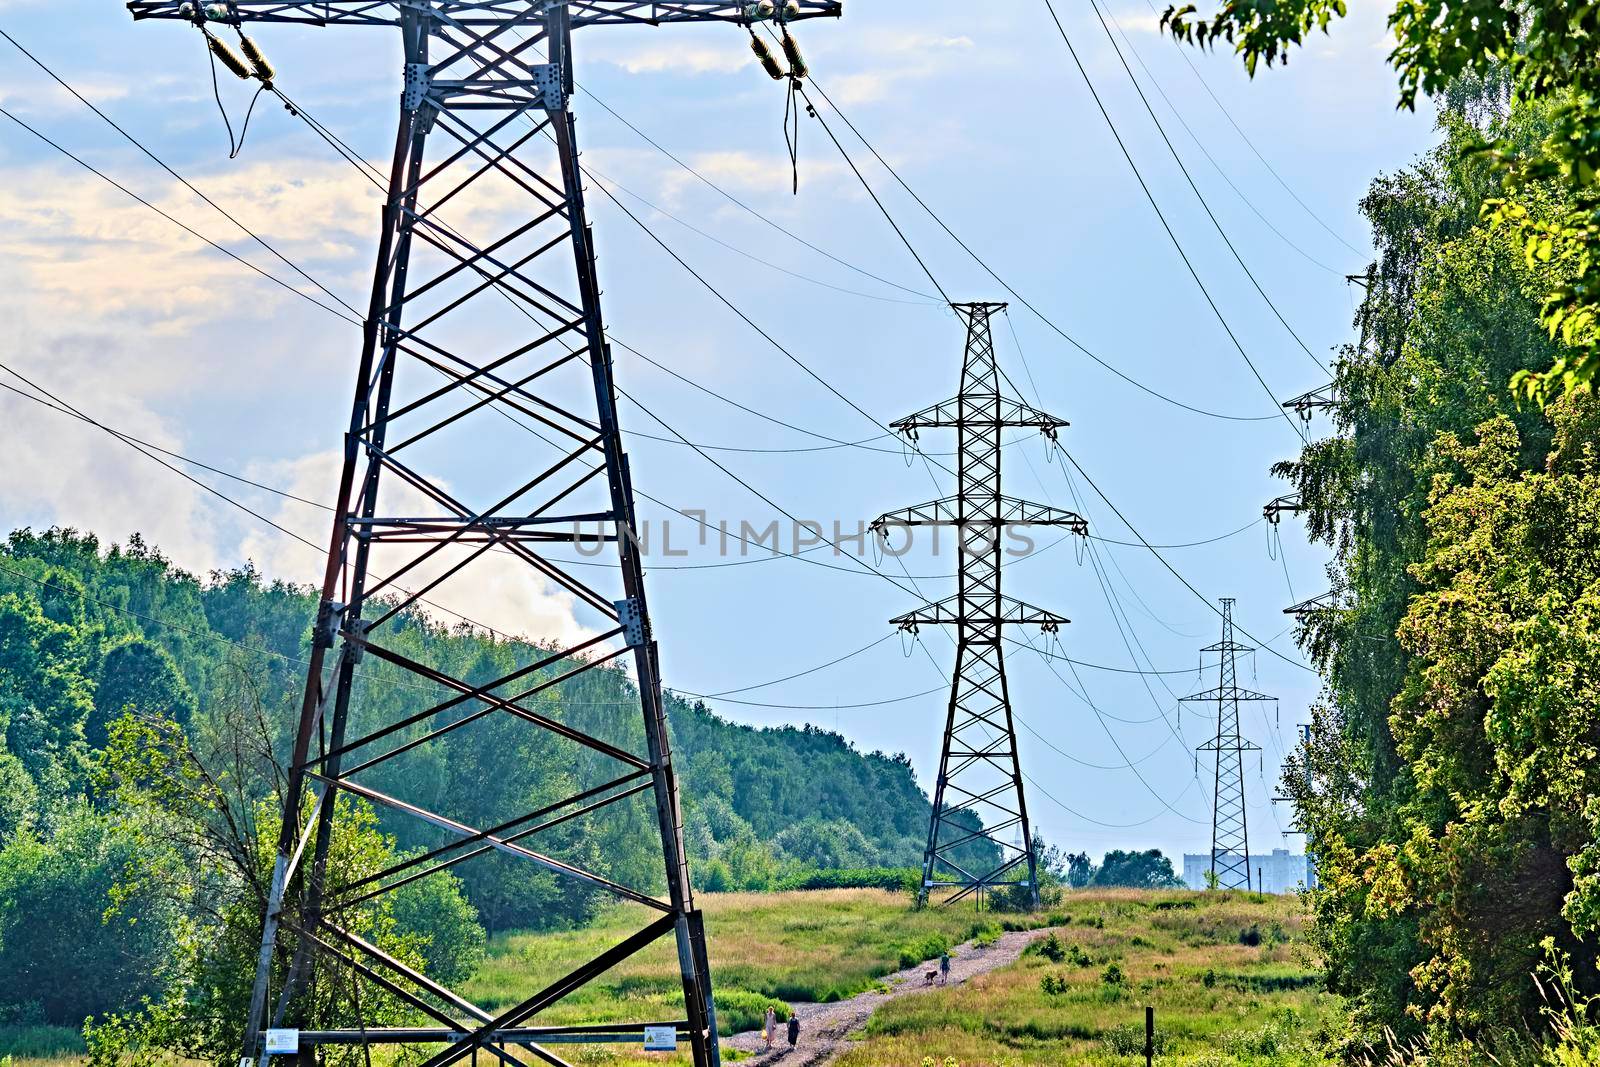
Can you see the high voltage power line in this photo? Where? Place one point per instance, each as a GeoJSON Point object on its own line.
{"type": "Point", "coordinates": [1150, 196]}
{"type": "Point", "coordinates": [213, 244]}
{"type": "Point", "coordinates": [1111, 39]}
{"type": "Point", "coordinates": [1199, 143]}
{"type": "Point", "coordinates": [1265, 162]}
{"type": "Point", "coordinates": [840, 443]}
{"type": "Point", "coordinates": [1024, 301]}
{"type": "Point", "coordinates": [981, 721]}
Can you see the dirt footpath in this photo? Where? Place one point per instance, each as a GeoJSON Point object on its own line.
{"type": "Point", "coordinates": [824, 1027]}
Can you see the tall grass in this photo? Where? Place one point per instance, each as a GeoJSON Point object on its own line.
{"type": "Point", "coordinates": [39, 1042]}
{"type": "Point", "coordinates": [816, 946]}
{"type": "Point", "coordinates": [1138, 949]}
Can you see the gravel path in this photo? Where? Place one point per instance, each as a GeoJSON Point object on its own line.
{"type": "Point", "coordinates": [825, 1027]}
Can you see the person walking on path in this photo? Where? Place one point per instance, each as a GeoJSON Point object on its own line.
{"type": "Point", "coordinates": [944, 967]}
{"type": "Point", "coordinates": [770, 1030]}
{"type": "Point", "coordinates": [794, 1028]}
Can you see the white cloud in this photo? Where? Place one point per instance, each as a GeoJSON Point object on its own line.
{"type": "Point", "coordinates": [129, 317]}
{"type": "Point", "coordinates": [762, 173]}
{"type": "Point", "coordinates": [878, 65]}
{"type": "Point", "coordinates": [60, 471]}
{"type": "Point", "coordinates": [662, 58]}
{"type": "Point", "coordinates": [87, 252]}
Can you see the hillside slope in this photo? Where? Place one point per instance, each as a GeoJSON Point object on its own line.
{"type": "Point", "coordinates": [89, 631]}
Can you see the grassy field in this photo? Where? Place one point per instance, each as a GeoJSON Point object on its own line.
{"type": "Point", "coordinates": [1222, 970]}
{"type": "Point", "coordinates": [811, 946]}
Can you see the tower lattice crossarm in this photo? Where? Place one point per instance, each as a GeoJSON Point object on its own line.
{"type": "Point", "coordinates": [1322, 604]}
{"type": "Point", "coordinates": [484, 320]}
{"type": "Point", "coordinates": [1008, 612]}
{"type": "Point", "coordinates": [488, 13]}
{"type": "Point", "coordinates": [978, 798]}
{"type": "Point", "coordinates": [1322, 398]}
{"type": "Point", "coordinates": [1230, 830]}
{"type": "Point", "coordinates": [1277, 507]}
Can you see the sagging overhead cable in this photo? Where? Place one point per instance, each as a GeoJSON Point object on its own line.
{"type": "Point", "coordinates": [257, 68]}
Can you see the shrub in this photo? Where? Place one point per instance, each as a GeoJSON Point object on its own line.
{"type": "Point", "coordinates": [1050, 947]}
{"type": "Point", "coordinates": [1251, 936]}
{"type": "Point", "coordinates": [1266, 1041]}
{"type": "Point", "coordinates": [1209, 979]}
{"type": "Point", "coordinates": [1173, 905]}
{"type": "Point", "coordinates": [1113, 975]}
{"type": "Point", "coordinates": [986, 934]}
{"type": "Point", "coordinates": [1079, 957]}
{"type": "Point", "coordinates": [436, 911]}
{"type": "Point", "coordinates": [1052, 984]}
{"type": "Point", "coordinates": [927, 947]}
{"type": "Point", "coordinates": [60, 944]}
{"type": "Point", "coordinates": [894, 879]}
{"type": "Point", "coordinates": [740, 1009]}
{"type": "Point", "coordinates": [716, 879]}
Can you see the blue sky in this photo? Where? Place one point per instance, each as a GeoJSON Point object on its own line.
{"type": "Point", "coordinates": [979, 109]}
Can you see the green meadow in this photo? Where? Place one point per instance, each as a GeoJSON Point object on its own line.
{"type": "Point", "coordinates": [765, 947]}
{"type": "Point", "coordinates": [1230, 985]}
{"type": "Point", "coordinates": [1223, 971]}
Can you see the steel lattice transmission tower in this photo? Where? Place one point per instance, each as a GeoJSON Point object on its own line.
{"type": "Point", "coordinates": [978, 798]}
{"type": "Point", "coordinates": [1230, 836]}
{"type": "Point", "coordinates": [467, 328]}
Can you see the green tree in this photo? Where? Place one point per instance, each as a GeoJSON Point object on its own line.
{"type": "Point", "coordinates": [71, 944]}
{"type": "Point", "coordinates": [1498, 723]}
{"type": "Point", "coordinates": [1140, 870]}
{"type": "Point", "coordinates": [825, 843]}
{"type": "Point", "coordinates": [1450, 316]}
{"type": "Point", "coordinates": [1549, 52]}
{"type": "Point", "coordinates": [45, 696]}
{"type": "Point", "coordinates": [137, 676]}
{"type": "Point", "coordinates": [206, 845]}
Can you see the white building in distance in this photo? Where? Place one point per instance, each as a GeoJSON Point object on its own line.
{"type": "Point", "coordinates": [1277, 872]}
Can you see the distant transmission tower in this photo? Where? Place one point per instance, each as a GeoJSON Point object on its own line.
{"type": "Point", "coordinates": [978, 796]}
{"type": "Point", "coordinates": [1230, 836]}
{"type": "Point", "coordinates": [467, 332]}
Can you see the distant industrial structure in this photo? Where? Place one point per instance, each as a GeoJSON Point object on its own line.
{"type": "Point", "coordinates": [1279, 872]}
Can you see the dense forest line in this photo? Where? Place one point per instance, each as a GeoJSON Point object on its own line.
{"type": "Point", "coordinates": [145, 714]}
{"type": "Point", "coordinates": [1451, 795]}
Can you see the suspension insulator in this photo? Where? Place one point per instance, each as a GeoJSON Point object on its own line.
{"type": "Point", "coordinates": [227, 57]}
{"type": "Point", "coordinates": [769, 62]}
{"type": "Point", "coordinates": [759, 12]}
{"type": "Point", "coordinates": [791, 10]}
{"type": "Point", "coordinates": [791, 50]}
{"type": "Point", "coordinates": [258, 62]}
{"type": "Point", "coordinates": [217, 12]}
